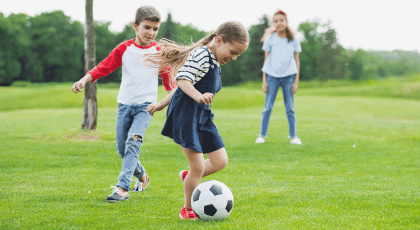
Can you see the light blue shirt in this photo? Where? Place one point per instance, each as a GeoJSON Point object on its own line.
{"type": "Point", "coordinates": [281, 60]}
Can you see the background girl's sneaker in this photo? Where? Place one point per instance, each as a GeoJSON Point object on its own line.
{"type": "Point", "coordinates": [260, 140]}
{"type": "Point", "coordinates": [295, 141]}
{"type": "Point", "coordinates": [182, 175]}
{"type": "Point", "coordinates": [115, 197]}
{"type": "Point", "coordinates": [140, 184]}
{"type": "Point", "coordinates": [187, 214]}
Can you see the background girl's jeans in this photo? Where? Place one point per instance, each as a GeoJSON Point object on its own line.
{"type": "Point", "coordinates": [131, 120]}
{"type": "Point", "coordinates": [273, 86]}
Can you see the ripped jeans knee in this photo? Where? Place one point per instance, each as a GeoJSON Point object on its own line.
{"type": "Point", "coordinates": [131, 145]}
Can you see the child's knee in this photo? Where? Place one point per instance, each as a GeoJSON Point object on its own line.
{"type": "Point", "coordinates": [221, 162]}
{"type": "Point", "coordinates": [135, 139]}
{"type": "Point", "coordinates": [224, 162]}
{"type": "Point", "coordinates": [197, 168]}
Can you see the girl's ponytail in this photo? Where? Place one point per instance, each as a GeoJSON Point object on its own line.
{"type": "Point", "coordinates": [175, 55]}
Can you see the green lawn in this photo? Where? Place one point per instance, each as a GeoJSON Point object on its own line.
{"type": "Point", "coordinates": [358, 167]}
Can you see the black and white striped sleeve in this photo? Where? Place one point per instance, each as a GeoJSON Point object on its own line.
{"type": "Point", "coordinates": [196, 66]}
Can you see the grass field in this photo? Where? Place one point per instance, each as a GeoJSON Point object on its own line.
{"type": "Point", "coordinates": [358, 167]}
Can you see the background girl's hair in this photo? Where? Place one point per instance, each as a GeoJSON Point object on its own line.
{"type": "Point", "coordinates": [175, 55]}
{"type": "Point", "coordinates": [147, 13]}
{"type": "Point", "coordinates": [289, 33]}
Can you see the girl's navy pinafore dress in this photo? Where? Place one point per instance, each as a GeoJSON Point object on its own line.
{"type": "Point", "coordinates": [189, 123]}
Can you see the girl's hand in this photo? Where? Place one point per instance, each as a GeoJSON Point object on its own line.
{"type": "Point", "coordinates": [78, 86]}
{"type": "Point", "coordinates": [270, 30]}
{"type": "Point", "coordinates": [294, 87]}
{"type": "Point", "coordinates": [265, 87]}
{"type": "Point", "coordinates": [206, 98]}
{"type": "Point", "coordinates": [152, 108]}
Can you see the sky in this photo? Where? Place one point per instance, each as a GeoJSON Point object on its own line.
{"type": "Point", "coordinates": [366, 24]}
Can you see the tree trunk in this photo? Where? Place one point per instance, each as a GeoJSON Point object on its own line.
{"type": "Point", "coordinates": [90, 108]}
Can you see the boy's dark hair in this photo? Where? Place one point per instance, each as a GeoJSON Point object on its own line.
{"type": "Point", "coordinates": [147, 13]}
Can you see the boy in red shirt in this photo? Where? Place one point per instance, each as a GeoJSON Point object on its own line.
{"type": "Point", "coordinates": [137, 94]}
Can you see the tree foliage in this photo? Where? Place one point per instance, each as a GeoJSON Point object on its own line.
{"type": "Point", "coordinates": [49, 47]}
{"type": "Point", "coordinates": [355, 64]}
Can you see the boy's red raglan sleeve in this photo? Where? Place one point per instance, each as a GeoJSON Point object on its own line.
{"type": "Point", "coordinates": [167, 80]}
{"type": "Point", "coordinates": [109, 64]}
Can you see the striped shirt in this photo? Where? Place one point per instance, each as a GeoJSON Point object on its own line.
{"type": "Point", "coordinates": [196, 66]}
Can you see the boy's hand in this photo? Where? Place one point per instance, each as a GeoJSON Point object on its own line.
{"type": "Point", "coordinates": [152, 108]}
{"type": "Point", "coordinates": [78, 86]}
{"type": "Point", "coordinates": [206, 98]}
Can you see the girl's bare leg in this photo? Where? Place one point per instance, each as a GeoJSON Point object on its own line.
{"type": "Point", "coordinates": [200, 168]}
{"type": "Point", "coordinates": [193, 178]}
{"type": "Point", "coordinates": [217, 161]}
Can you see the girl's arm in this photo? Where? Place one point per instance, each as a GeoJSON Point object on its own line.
{"type": "Point", "coordinates": [152, 108]}
{"type": "Point", "coordinates": [267, 32]}
{"type": "Point", "coordinates": [188, 88]}
{"type": "Point", "coordinates": [296, 82]}
{"type": "Point", "coordinates": [264, 81]}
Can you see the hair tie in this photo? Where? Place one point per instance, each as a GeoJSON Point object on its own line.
{"type": "Point", "coordinates": [282, 12]}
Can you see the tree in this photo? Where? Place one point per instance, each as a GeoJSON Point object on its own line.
{"type": "Point", "coordinates": [10, 51]}
{"type": "Point", "coordinates": [254, 56]}
{"type": "Point", "coordinates": [332, 58]}
{"type": "Point", "coordinates": [57, 42]}
{"type": "Point", "coordinates": [32, 70]}
{"type": "Point", "coordinates": [311, 46]}
{"type": "Point", "coordinates": [90, 107]}
{"type": "Point", "coordinates": [105, 42]}
{"type": "Point", "coordinates": [169, 29]}
{"type": "Point", "coordinates": [356, 65]}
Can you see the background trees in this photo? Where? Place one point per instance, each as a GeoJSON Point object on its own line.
{"type": "Point", "coordinates": [57, 42]}
{"type": "Point", "coordinates": [49, 47]}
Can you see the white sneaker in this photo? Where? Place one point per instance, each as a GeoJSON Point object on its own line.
{"type": "Point", "coordinates": [141, 185]}
{"type": "Point", "coordinates": [295, 141]}
{"type": "Point", "coordinates": [260, 140]}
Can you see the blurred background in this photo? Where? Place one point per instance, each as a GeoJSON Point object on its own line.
{"type": "Point", "coordinates": [43, 41]}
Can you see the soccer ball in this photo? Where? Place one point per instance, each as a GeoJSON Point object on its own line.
{"type": "Point", "coordinates": [212, 200]}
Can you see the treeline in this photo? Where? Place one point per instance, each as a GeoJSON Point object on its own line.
{"type": "Point", "coordinates": [50, 48]}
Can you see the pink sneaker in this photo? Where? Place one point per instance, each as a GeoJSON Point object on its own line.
{"type": "Point", "coordinates": [187, 214]}
{"type": "Point", "coordinates": [182, 175]}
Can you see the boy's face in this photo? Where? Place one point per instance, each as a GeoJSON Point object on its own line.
{"type": "Point", "coordinates": [226, 51]}
{"type": "Point", "coordinates": [146, 32]}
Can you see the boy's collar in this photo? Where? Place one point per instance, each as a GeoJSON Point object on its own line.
{"type": "Point", "coordinates": [153, 43]}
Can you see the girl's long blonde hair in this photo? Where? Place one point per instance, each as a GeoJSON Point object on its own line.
{"type": "Point", "coordinates": [175, 55]}
{"type": "Point", "coordinates": [289, 33]}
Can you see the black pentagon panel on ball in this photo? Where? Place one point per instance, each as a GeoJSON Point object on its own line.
{"type": "Point", "coordinates": [210, 210]}
{"type": "Point", "coordinates": [196, 195]}
{"type": "Point", "coordinates": [216, 190]}
{"type": "Point", "coordinates": [229, 205]}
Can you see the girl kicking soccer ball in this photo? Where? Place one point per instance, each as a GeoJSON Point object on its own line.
{"type": "Point", "coordinates": [189, 117]}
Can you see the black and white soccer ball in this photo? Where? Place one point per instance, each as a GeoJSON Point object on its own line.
{"type": "Point", "coordinates": [212, 200]}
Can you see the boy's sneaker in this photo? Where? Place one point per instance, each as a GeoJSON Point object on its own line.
{"type": "Point", "coordinates": [295, 141]}
{"type": "Point", "coordinates": [187, 214]}
{"type": "Point", "coordinates": [260, 140]}
{"type": "Point", "coordinates": [114, 197]}
{"type": "Point", "coordinates": [140, 184]}
{"type": "Point", "coordinates": [182, 175]}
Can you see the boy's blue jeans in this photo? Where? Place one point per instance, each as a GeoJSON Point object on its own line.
{"type": "Point", "coordinates": [131, 120]}
{"type": "Point", "coordinates": [273, 86]}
